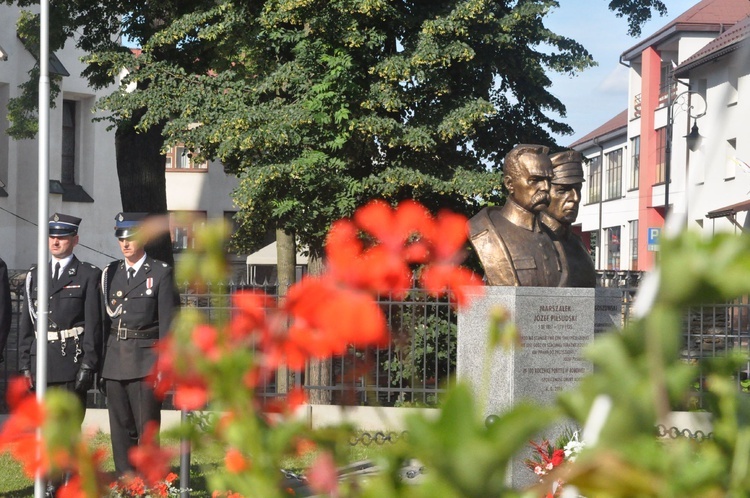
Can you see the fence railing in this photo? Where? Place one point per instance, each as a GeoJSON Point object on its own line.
{"type": "Point", "coordinates": [418, 364]}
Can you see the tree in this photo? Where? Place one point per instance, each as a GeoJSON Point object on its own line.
{"type": "Point", "coordinates": [322, 105]}
{"type": "Point", "coordinates": [319, 106]}
{"type": "Point", "coordinates": [96, 26]}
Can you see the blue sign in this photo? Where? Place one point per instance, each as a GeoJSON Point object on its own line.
{"type": "Point", "coordinates": [653, 238]}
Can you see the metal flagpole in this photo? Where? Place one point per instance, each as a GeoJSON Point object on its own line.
{"type": "Point", "coordinates": [42, 270]}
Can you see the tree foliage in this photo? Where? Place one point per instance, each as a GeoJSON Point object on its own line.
{"type": "Point", "coordinates": [321, 105]}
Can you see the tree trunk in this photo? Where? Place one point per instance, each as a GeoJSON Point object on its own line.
{"type": "Point", "coordinates": [286, 264]}
{"type": "Point", "coordinates": [318, 371]}
{"type": "Point", "coordinates": [143, 185]}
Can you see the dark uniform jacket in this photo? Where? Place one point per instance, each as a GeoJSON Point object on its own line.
{"type": "Point", "coordinates": [74, 301]}
{"type": "Point", "coordinates": [138, 314]}
{"type": "Point", "coordinates": [5, 306]}
{"type": "Point", "coordinates": [513, 247]}
{"type": "Point", "coordinates": [577, 266]}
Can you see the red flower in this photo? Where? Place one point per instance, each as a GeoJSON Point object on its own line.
{"type": "Point", "coordinates": [558, 457]}
{"type": "Point", "coordinates": [19, 432]}
{"type": "Point", "coordinates": [205, 337]}
{"type": "Point", "coordinates": [323, 477]}
{"type": "Point", "coordinates": [148, 458]}
{"type": "Point", "coordinates": [191, 393]}
{"type": "Point", "coordinates": [235, 462]}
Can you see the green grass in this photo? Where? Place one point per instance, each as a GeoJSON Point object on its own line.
{"type": "Point", "coordinates": [14, 484]}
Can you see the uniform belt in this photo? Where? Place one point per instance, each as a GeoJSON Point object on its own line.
{"type": "Point", "coordinates": [125, 333]}
{"type": "Point", "coordinates": [57, 335]}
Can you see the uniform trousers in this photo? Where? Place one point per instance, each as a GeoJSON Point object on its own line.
{"type": "Point", "coordinates": [131, 405]}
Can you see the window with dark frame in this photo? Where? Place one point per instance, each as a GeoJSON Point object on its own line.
{"type": "Point", "coordinates": [183, 226]}
{"type": "Point", "coordinates": [661, 155]}
{"type": "Point", "coordinates": [633, 244]}
{"type": "Point", "coordinates": [614, 174]}
{"type": "Point", "coordinates": [595, 174]}
{"type": "Point", "coordinates": [635, 162]}
{"type": "Point", "coordinates": [68, 165]}
{"type": "Point", "coordinates": [180, 158]}
{"type": "Point", "coordinates": [613, 248]}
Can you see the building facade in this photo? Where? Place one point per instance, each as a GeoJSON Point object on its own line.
{"type": "Point", "coordinates": [641, 164]}
{"type": "Point", "coordinates": [82, 168]}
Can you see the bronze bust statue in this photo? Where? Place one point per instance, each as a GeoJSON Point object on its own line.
{"type": "Point", "coordinates": [512, 245]}
{"type": "Point", "coordinates": [567, 180]}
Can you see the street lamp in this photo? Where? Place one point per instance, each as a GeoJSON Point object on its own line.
{"type": "Point", "coordinates": [683, 102]}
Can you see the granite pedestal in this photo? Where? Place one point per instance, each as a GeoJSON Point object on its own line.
{"type": "Point", "coordinates": [555, 325]}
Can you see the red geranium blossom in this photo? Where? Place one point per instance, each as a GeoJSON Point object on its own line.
{"type": "Point", "coordinates": [148, 458]}
{"type": "Point", "coordinates": [19, 432]}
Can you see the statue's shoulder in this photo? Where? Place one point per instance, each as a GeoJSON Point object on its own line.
{"type": "Point", "coordinates": [481, 222]}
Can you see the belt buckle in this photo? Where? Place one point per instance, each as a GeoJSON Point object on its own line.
{"type": "Point", "coordinates": [122, 333]}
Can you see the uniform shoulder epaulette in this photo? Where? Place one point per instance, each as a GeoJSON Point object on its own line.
{"type": "Point", "coordinates": [93, 266]}
{"type": "Point", "coordinates": [164, 265]}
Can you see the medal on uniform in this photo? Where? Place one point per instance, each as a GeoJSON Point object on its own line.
{"type": "Point", "coordinates": [149, 284]}
{"type": "Point", "coordinates": [114, 301]}
{"type": "Point", "coordinates": [119, 294]}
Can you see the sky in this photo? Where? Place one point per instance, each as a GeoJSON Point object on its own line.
{"type": "Point", "coordinates": [600, 93]}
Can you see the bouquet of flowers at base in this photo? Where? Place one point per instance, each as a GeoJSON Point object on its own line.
{"type": "Point", "coordinates": [136, 487]}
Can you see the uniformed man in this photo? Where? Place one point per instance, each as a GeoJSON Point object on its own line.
{"type": "Point", "coordinates": [74, 334]}
{"type": "Point", "coordinates": [511, 244]}
{"type": "Point", "coordinates": [139, 295]}
{"type": "Point", "coordinates": [567, 180]}
{"type": "Point", "coordinates": [5, 308]}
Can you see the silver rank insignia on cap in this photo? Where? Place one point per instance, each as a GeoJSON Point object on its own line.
{"type": "Point", "coordinates": [56, 218]}
{"type": "Point", "coordinates": [120, 218]}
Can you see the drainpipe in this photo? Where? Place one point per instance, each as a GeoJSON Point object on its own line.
{"type": "Point", "coordinates": [601, 200]}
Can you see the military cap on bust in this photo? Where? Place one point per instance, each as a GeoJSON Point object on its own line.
{"type": "Point", "coordinates": [127, 224]}
{"type": "Point", "coordinates": [567, 167]}
{"type": "Point", "coordinates": [63, 225]}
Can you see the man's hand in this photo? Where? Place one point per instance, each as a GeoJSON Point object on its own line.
{"type": "Point", "coordinates": [29, 379]}
{"type": "Point", "coordinates": [101, 384]}
{"type": "Point", "coordinates": [84, 380]}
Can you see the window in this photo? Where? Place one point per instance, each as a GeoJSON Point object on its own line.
{"type": "Point", "coordinates": [633, 228]}
{"type": "Point", "coordinates": [613, 248]}
{"type": "Point", "coordinates": [730, 167]}
{"type": "Point", "coordinates": [733, 78]}
{"type": "Point", "coordinates": [180, 158]}
{"type": "Point", "coordinates": [661, 155]}
{"type": "Point", "coordinates": [72, 161]}
{"type": "Point", "coordinates": [635, 162]}
{"type": "Point", "coordinates": [68, 166]}
{"type": "Point", "coordinates": [614, 174]}
{"type": "Point", "coordinates": [595, 175]}
{"type": "Point", "coordinates": [183, 226]}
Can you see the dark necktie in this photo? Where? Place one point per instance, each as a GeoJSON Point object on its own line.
{"type": "Point", "coordinates": [57, 272]}
{"type": "Point", "coordinates": [131, 274]}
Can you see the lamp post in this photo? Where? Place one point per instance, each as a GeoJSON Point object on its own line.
{"type": "Point", "coordinates": [683, 102]}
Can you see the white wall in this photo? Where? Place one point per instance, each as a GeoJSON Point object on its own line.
{"type": "Point", "coordinates": [95, 156]}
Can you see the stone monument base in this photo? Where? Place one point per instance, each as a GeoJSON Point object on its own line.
{"type": "Point", "coordinates": [555, 324]}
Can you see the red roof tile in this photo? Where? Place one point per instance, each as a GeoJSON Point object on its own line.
{"type": "Point", "coordinates": [724, 43]}
{"type": "Point", "coordinates": [707, 15]}
{"type": "Point", "coordinates": [619, 121]}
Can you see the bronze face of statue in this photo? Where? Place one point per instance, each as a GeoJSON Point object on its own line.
{"type": "Point", "coordinates": [567, 180]}
{"type": "Point", "coordinates": [511, 244]}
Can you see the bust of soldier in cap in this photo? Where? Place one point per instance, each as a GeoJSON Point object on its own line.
{"type": "Point", "coordinates": [567, 181]}
{"type": "Point", "coordinates": [511, 244]}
